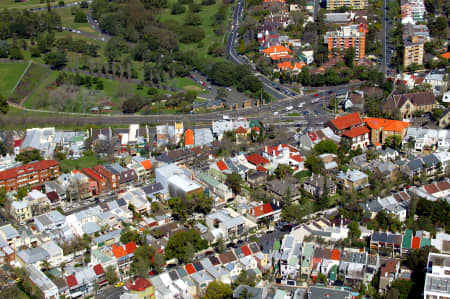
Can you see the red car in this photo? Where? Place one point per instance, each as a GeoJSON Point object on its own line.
{"type": "Point", "coordinates": [316, 95]}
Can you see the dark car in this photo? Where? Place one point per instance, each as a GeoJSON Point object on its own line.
{"type": "Point", "coordinates": [231, 245]}
{"type": "Point", "coordinates": [240, 242]}
{"type": "Point", "coordinates": [287, 228]}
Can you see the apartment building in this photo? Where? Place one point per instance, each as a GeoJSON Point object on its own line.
{"type": "Point", "coordinates": [345, 37]}
{"type": "Point", "coordinates": [110, 177]}
{"type": "Point", "coordinates": [414, 38]}
{"type": "Point", "coordinates": [30, 174]}
{"type": "Point", "coordinates": [355, 4]}
{"type": "Point", "coordinates": [437, 279]}
{"type": "Point", "coordinates": [412, 11]}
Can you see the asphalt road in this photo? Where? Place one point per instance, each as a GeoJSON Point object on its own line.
{"type": "Point", "coordinates": [273, 89]}
{"type": "Point", "coordinates": [387, 46]}
{"type": "Point", "coordinates": [111, 293]}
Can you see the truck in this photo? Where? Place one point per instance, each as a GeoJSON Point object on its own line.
{"type": "Point", "coordinates": [289, 108]}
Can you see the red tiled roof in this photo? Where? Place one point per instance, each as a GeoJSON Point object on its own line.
{"type": "Point", "coordinates": [17, 142]}
{"type": "Point", "coordinates": [357, 131]}
{"type": "Point", "coordinates": [297, 158]}
{"type": "Point", "coordinates": [53, 196]}
{"type": "Point", "coordinates": [257, 159]}
{"type": "Point", "coordinates": [261, 210]}
{"type": "Point", "coordinates": [256, 129]}
{"type": "Point", "coordinates": [71, 281]}
{"type": "Point", "coordinates": [335, 254]}
{"type": "Point", "coordinates": [241, 130]}
{"type": "Point", "coordinates": [92, 174]}
{"type": "Point", "coordinates": [118, 251]}
{"type": "Point", "coordinates": [221, 165]}
{"type": "Point", "coordinates": [246, 250]}
{"type": "Point", "coordinates": [28, 168]}
{"type": "Point", "coordinates": [189, 137]}
{"type": "Point", "coordinates": [415, 243]}
{"type": "Point", "coordinates": [431, 189]}
{"type": "Point", "coordinates": [386, 124]}
{"type": "Point", "coordinates": [443, 185]}
{"type": "Point", "coordinates": [147, 164]}
{"type": "Point", "coordinates": [190, 269]}
{"type": "Point", "coordinates": [102, 171]}
{"type": "Point", "coordinates": [446, 55]}
{"type": "Point", "coordinates": [138, 285]}
{"type": "Point", "coordinates": [260, 168]}
{"type": "Point", "coordinates": [277, 149]}
{"type": "Point", "coordinates": [346, 121]}
{"type": "Point", "coordinates": [98, 269]}
{"type": "Point", "coordinates": [130, 247]}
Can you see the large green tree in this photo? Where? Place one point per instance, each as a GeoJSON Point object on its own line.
{"type": "Point", "coordinates": [4, 107]}
{"type": "Point", "coordinates": [218, 290]}
{"type": "Point", "coordinates": [146, 258]}
{"type": "Point", "coordinates": [183, 244]}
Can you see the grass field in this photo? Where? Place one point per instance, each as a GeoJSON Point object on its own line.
{"type": "Point", "coordinates": [9, 74]}
{"type": "Point", "coordinates": [29, 82]}
{"type": "Point", "coordinates": [205, 15]}
{"type": "Point", "coordinates": [29, 3]}
{"type": "Point", "coordinates": [188, 85]}
{"type": "Point", "coordinates": [67, 19]}
{"type": "Point", "coordinates": [83, 162]}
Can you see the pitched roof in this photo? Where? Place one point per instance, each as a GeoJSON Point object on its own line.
{"type": "Point", "coordinates": [386, 124]}
{"type": "Point", "coordinates": [346, 121]}
{"type": "Point", "coordinates": [276, 49]}
{"type": "Point", "coordinates": [221, 165]}
{"type": "Point", "coordinates": [190, 269]}
{"type": "Point", "coordinates": [28, 168]}
{"type": "Point", "coordinates": [138, 285]}
{"type": "Point", "coordinates": [415, 243]}
{"type": "Point", "coordinates": [261, 210]}
{"type": "Point", "coordinates": [227, 257]}
{"type": "Point", "coordinates": [356, 131]}
{"type": "Point", "coordinates": [189, 137]}
{"type": "Point", "coordinates": [246, 250]}
{"type": "Point", "coordinates": [257, 159]}
{"type": "Point", "coordinates": [147, 164]}
{"type": "Point", "coordinates": [446, 55]}
{"type": "Point", "coordinates": [118, 251]}
{"type": "Point", "coordinates": [241, 130]}
{"type": "Point", "coordinates": [396, 100]}
{"type": "Point", "coordinates": [98, 269]}
{"type": "Point", "coordinates": [443, 185]}
{"type": "Point", "coordinates": [431, 188]}
{"type": "Point", "coordinates": [71, 281]}
{"type": "Point", "coordinates": [92, 174]}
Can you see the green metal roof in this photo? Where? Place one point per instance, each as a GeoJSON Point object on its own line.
{"type": "Point", "coordinates": [424, 242]}
{"type": "Point", "coordinates": [407, 239]}
{"type": "Point", "coordinates": [333, 273]}
{"type": "Point", "coordinates": [254, 123]}
{"type": "Point", "coordinates": [276, 245]}
{"type": "Point", "coordinates": [103, 258]}
{"type": "Point", "coordinates": [308, 250]}
{"type": "Point", "coordinates": [208, 179]}
{"type": "Point", "coordinates": [78, 138]}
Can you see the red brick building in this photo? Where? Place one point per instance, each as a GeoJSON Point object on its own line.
{"type": "Point", "coordinates": [30, 174]}
{"type": "Point", "coordinates": [108, 175]}
{"type": "Point", "coordinates": [101, 181]}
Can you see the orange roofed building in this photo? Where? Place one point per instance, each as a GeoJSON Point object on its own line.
{"type": "Point", "coordinates": [278, 52]}
{"type": "Point", "coordinates": [382, 128]}
{"type": "Point", "coordinates": [287, 65]}
{"type": "Point", "coordinates": [189, 138]}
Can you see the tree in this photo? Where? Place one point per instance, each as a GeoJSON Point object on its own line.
{"type": "Point", "coordinates": [29, 156]}
{"type": "Point", "coordinates": [349, 56]}
{"type": "Point", "coordinates": [132, 105]}
{"type": "Point", "coordinates": [129, 235]}
{"type": "Point", "coordinates": [244, 279]}
{"type": "Point", "coordinates": [355, 232]}
{"type": "Point", "coordinates": [394, 141]}
{"type": "Point", "coordinates": [2, 196]}
{"type": "Point", "coordinates": [218, 290]}
{"type": "Point", "coordinates": [80, 17]}
{"type": "Point", "coordinates": [400, 289]}
{"type": "Point", "coordinates": [222, 93]}
{"type": "Point", "coordinates": [56, 59]}
{"type": "Point", "coordinates": [4, 107]}
{"type": "Point", "coordinates": [220, 245]}
{"type": "Point", "coordinates": [234, 181]}
{"type": "Point", "coordinates": [177, 8]}
{"type": "Point", "coordinates": [183, 244]}
{"type": "Point", "coordinates": [326, 146]}
{"type": "Point", "coordinates": [283, 170]}
{"type": "Point", "coordinates": [111, 275]}
{"type": "Point", "coordinates": [314, 163]}
{"type": "Point", "coordinates": [146, 258]}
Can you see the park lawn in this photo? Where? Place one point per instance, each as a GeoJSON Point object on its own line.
{"type": "Point", "coordinates": [188, 85]}
{"type": "Point", "coordinates": [205, 15]}
{"type": "Point", "coordinates": [9, 75]}
{"type": "Point", "coordinates": [41, 92]}
{"type": "Point", "coordinates": [29, 3]}
{"type": "Point", "coordinates": [29, 82]}
{"type": "Point", "coordinates": [68, 165]}
{"type": "Point", "coordinates": [68, 19]}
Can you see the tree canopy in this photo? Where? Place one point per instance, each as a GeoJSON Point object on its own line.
{"type": "Point", "coordinates": [183, 245]}
{"type": "Point", "coordinates": [218, 290]}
